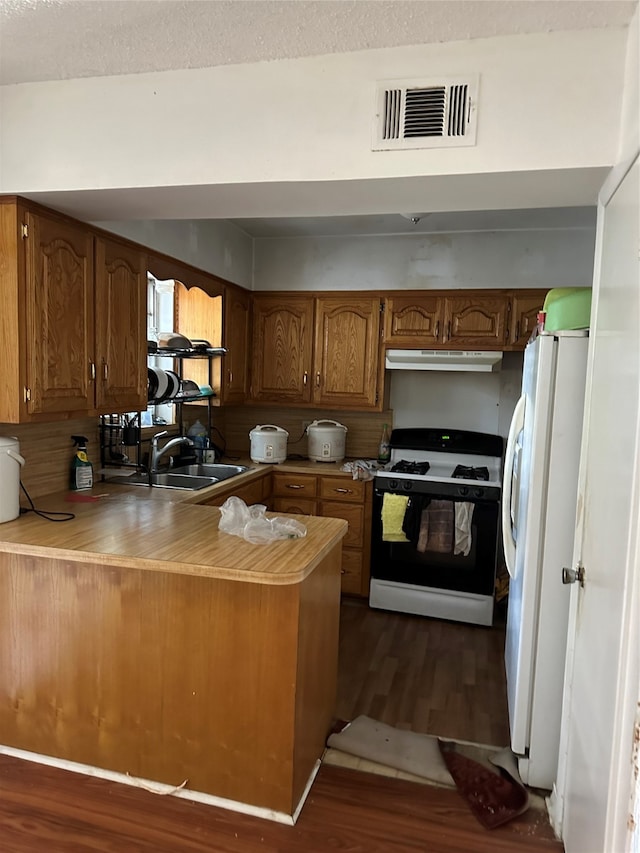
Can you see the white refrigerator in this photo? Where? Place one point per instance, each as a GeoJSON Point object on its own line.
{"type": "Point", "coordinates": [538, 524]}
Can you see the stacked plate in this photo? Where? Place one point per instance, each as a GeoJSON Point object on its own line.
{"type": "Point", "coordinates": [162, 385]}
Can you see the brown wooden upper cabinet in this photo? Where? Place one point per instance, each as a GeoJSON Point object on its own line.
{"type": "Point", "coordinates": [525, 306]}
{"type": "Point", "coordinates": [120, 326]}
{"type": "Point", "coordinates": [316, 350]}
{"type": "Point", "coordinates": [466, 320]}
{"type": "Point", "coordinates": [282, 349]}
{"type": "Point", "coordinates": [474, 322]}
{"type": "Point", "coordinates": [476, 319]}
{"type": "Point", "coordinates": [235, 337]}
{"type": "Point", "coordinates": [73, 319]}
{"type": "Point", "coordinates": [413, 320]}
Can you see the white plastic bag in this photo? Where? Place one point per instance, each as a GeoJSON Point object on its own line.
{"type": "Point", "coordinates": [251, 524]}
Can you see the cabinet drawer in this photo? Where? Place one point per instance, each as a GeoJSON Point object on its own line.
{"type": "Point", "coordinates": [294, 505]}
{"type": "Point", "coordinates": [342, 489]}
{"type": "Point", "coordinates": [351, 579]}
{"type": "Point", "coordinates": [299, 485]}
{"type": "Point", "coordinates": [352, 514]}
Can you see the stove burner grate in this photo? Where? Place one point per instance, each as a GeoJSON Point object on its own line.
{"type": "Point", "coordinates": [405, 467]}
{"type": "Point", "coordinates": [465, 472]}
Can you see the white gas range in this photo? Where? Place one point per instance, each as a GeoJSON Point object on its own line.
{"type": "Point", "coordinates": [435, 524]}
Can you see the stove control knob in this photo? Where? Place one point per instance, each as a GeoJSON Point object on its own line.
{"type": "Point", "coordinates": [463, 490]}
{"type": "Point", "coordinates": [478, 493]}
{"type": "Point", "coordinates": [393, 484]}
{"type": "Point", "coordinates": [407, 485]}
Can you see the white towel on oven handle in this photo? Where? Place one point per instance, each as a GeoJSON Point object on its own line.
{"type": "Point", "coordinates": [463, 515]}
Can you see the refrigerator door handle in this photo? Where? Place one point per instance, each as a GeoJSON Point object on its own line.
{"type": "Point", "coordinates": [517, 422]}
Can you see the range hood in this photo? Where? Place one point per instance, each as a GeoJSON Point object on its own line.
{"type": "Point", "coordinates": [429, 359]}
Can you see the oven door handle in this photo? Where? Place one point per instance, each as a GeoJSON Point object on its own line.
{"type": "Point", "coordinates": [508, 542]}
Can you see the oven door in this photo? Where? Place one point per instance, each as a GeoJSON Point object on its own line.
{"type": "Point", "coordinates": [411, 563]}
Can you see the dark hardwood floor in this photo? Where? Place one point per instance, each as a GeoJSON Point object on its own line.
{"type": "Point", "coordinates": [45, 810]}
{"type": "Point", "coordinates": [426, 675]}
{"type": "Point", "coordinates": [421, 674]}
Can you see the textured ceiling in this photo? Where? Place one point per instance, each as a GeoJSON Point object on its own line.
{"type": "Point", "coordinates": [60, 39]}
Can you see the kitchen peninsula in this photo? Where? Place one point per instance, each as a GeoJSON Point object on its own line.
{"type": "Point", "coordinates": [140, 640]}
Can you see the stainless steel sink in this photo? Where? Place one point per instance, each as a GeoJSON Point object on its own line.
{"type": "Point", "coordinates": [219, 471]}
{"type": "Point", "coordinates": [181, 481]}
{"type": "Point", "coordinates": [191, 477]}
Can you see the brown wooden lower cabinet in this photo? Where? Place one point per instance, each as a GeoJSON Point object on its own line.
{"type": "Point", "coordinates": [255, 492]}
{"type": "Point", "coordinates": [333, 496]}
{"type": "Point", "coordinates": [303, 506]}
{"type": "Point", "coordinates": [165, 676]}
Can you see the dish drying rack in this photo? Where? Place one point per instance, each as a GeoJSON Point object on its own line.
{"type": "Point", "coordinates": [121, 435]}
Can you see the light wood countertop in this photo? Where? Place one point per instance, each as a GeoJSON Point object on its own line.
{"type": "Point", "coordinates": [162, 530]}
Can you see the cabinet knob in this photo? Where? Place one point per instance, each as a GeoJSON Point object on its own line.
{"type": "Point", "coordinates": [344, 491]}
{"type": "Point", "coordinates": [436, 333]}
{"type": "Point", "coordinates": [318, 379]}
{"type": "Point", "coordinates": [305, 378]}
{"type": "Point", "coordinates": [105, 370]}
{"type": "Point", "coordinates": [294, 486]}
{"type": "Point", "coordinates": [92, 370]}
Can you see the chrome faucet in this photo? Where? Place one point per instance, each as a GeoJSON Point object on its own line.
{"type": "Point", "coordinates": [157, 454]}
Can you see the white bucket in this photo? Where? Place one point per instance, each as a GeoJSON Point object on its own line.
{"type": "Point", "coordinates": [10, 464]}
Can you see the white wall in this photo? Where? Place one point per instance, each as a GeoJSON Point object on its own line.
{"type": "Point", "coordinates": [216, 246]}
{"type": "Point", "coordinates": [538, 259]}
{"type": "Point", "coordinates": [310, 120]}
{"type": "Point", "coordinates": [483, 402]}
{"type": "Point", "coordinates": [630, 123]}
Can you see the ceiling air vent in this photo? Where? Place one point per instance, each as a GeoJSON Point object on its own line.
{"type": "Point", "coordinates": [426, 113]}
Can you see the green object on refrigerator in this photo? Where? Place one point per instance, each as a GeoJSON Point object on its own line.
{"type": "Point", "coordinates": [567, 308]}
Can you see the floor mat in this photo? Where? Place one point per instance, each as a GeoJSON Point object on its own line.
{"type": "Point", "coordinates": [494, 798]}
{"type": "Point", "coordinates": [486, 777]}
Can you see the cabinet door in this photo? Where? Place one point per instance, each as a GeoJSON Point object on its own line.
{"type": "Point", "coordinates": [524, 310]}
{"type": "Point", "coordinates": [282, 349]}
{"type": "Point", "coordinates": [475, 322]}
{"type": "Point", "coordinates": [353, 514]}
{"type": "Point", "coordinates": [413, 320]}
{"type": "Point", "coordinates": [352, 572]}
{"type": "Point", "coordinates": [347, 353]}
{"type": "Point", "coordinates": [235, 337]}
{"type": "Point", "coordinates": [59, 316]}
{"type": "Point", "coordinates": [120, 327]}
{"type": "Point", "coordinates": [294, 506]}
{"type": "Point", "coordinates": [251, 493]}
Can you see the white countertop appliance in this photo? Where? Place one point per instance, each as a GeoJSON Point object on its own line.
{"type": "Point", "coordinates": [326, 441]}
{"type": "Point", "coordinates": [538, 524]}
{"type": "Point", "coordinates": [436, 514]}
{"type": "Point", "coordinates": [268, 443]}
{"type": "Point", "coordinates": [10, 464]}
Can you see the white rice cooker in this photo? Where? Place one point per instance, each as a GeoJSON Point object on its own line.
{"type": "Point", "coordinates": [268, 443]}
{"type": "Point", "coordinates": [10, 464]}
{"type": "Point", "coordinates": [326, 441]}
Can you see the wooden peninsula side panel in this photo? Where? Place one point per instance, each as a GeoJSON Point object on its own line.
{"type": "Point", "coordinates": [171, 677]}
